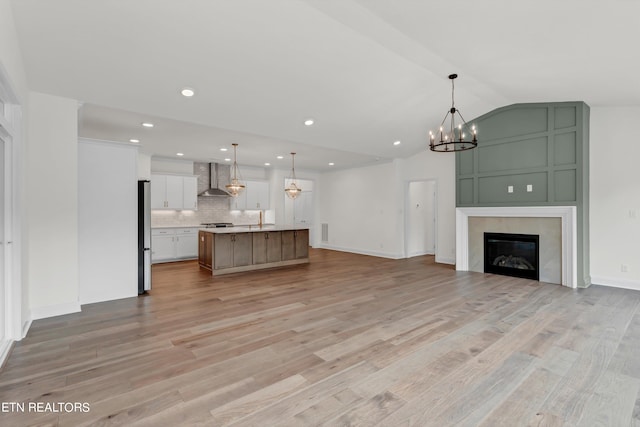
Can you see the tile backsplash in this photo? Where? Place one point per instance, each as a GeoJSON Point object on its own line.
{"type": "Point", "coordinates": [210, 209]}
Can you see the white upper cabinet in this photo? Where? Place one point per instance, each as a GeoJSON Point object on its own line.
{"type": "Point", "coordinates": [258, 195]}
{"type": "Point", "coordinates": [174, 192]}
{"type": "Point", "coordinates": [190, 192]}
{"type": "Point", "coordinates": [158, 191]}
{"type": "Point", "coordinates": [238, 203]}
{"type": "Point", "coordinates": [254, 197]}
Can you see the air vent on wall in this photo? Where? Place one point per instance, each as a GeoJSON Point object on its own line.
{"type": "Point", "coordinates": [325, 233]}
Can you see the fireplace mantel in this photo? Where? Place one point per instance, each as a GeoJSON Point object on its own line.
{"type": "Point", "coordinates": [567, 214]}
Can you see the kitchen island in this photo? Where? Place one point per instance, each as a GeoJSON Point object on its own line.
{"type": "Point", "coordinates": [236, 249]}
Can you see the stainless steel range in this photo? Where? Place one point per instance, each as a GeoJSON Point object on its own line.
{"type": "Point", "coordinates": [216, 224]}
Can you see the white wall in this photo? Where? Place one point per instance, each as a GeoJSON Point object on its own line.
{"type": "Point", "coordinates": [144, 166]}
{"type": "Point", "coordinates": [10, 56]}
{"type": "Point", "coordinates": [107, 221]}
{"type": "Point", "coordinates": [51, 193]}
{"type": "Point", "coordinates": [172, 166]}
{"type": "Point", "coordinates": [369, 217]}
{"type": "Point", "coordinates": [614, 193]}
{"type": "Point", "coordinates": [441, 168]}
{"type": "Point", "coordinates": [360, 206]}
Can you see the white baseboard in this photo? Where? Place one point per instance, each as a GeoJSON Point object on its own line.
{"type": "Point", "coordinates": [26, 327]}
{"type": "Point", "coordinates": [415, 254]}
{"type": "Point", "coordinates": [443, 260]}
{"type": "Point", "coordinates": [5, 350]}
{"type": "Point", "coordinates": [54, 310]}
{"type": "Point", "coordinates": [616, 283]}
{"type": "Point", "coordinates": [361, 252]}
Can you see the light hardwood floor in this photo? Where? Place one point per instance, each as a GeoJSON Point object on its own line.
{"type": "Point", "coordinates": [345, 340]}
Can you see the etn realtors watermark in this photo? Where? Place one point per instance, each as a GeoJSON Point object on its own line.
{"type": "Point", "coordinates": [41, 407]}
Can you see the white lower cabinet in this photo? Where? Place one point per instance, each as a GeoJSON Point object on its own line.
{"type": "Point", "coordinates": [187, 245]}
{"type": "Point", "coordinates": [174, 244]}
{"type": "Point", "coordinates": [162, 248]}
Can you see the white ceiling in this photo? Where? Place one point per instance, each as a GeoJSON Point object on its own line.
{"type": "Point", "coordinates": [369, 72]}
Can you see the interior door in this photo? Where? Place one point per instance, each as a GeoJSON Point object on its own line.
{"type": "Point", "coordinates": [421, 210]}
{"type": "Point", "coordinates": [303, 207]}
{"type": "Point", "coordinates": [3, 271]}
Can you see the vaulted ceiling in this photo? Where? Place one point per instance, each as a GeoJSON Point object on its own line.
{"type": "Point", "coordinates": [369, 72]}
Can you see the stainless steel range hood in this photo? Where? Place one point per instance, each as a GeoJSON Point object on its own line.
{"type": "Point", "coordinates": [214, 190]}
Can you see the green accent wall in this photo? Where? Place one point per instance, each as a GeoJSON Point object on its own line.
{"type": "Point", "coordinates": [531, 155]}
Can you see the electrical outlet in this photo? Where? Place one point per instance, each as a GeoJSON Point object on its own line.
{"type": "Point", "coordinates": [529, 188]}
{"type": "Point", "coordinates": [632, 213]}
{"type": "Point", "coordinates": [510, 189]}
{"type": "Point", "coordinates": [624, 268]}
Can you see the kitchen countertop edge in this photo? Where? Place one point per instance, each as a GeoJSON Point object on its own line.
{"type": "Point", "coordinates": [252, 229]}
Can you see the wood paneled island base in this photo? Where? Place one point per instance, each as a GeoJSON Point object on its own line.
{"type": "Point", "coordinates": [238, 249]}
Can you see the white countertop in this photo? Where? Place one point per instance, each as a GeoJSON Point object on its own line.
{"type": "Point", "coordinates": [252, 229]}
{"type": "Point", "coordinates": [178, 226]}
{"type": "Point", "coordinates": [200, 226]}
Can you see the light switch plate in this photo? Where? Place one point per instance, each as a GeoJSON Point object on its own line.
{"type": "Point", "coordinates": [510, 189]}
{"type": "Point", "coordinates": [529, 188]}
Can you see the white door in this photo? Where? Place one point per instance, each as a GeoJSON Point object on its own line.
{"type": "Point", "coordinates": [421, 218]}
{"type": "Point", "coordinates": [303, 209]}
{"type": "Point", "coordinates": [3, 271]}
{"type": "Point", "coordinates": [299, 211]}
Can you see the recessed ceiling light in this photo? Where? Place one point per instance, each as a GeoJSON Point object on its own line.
{"type": "Point", "coordinates": [135, 141]}
{"type": "Point", "coordinates": [396, 143]}
{"type": "Point", "coordinates": [227, 160]}
{"type": "Point", "coordinates": [308, 122]}
{"type": "Point", "coordinates": [267, 164]}
{"type": "Point", "coordinates": [279, 157]}
{"type": "Point", "coordinates": [179, 154]}
{"type": "Point", "coordinates": [223, 149]}
{"type": "Point", "coordinates": [331, 164]}
{"type": "Point", "coordinates": [187, 91]}
{"type": "Point", "coordinates": [147, 124]}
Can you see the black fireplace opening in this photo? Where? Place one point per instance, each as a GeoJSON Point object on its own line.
{"type": "Point", "coordinates": [514, 255]}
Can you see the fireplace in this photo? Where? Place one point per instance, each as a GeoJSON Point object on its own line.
{"type": "Point", "coordinates": [514, 255]}
{"type": "Point", "coordinates": [568, 267]}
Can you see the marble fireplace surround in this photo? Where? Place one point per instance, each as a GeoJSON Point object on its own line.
{"type": "Point", "coordinates": [567, 215]}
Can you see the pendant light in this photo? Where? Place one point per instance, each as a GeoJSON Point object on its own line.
{"type": "Point", "coordinates": [454, 138]}
{"type": "Point", "coordinates": [235, 187]}
{"type": "Point", "coordinates": [293, 190]}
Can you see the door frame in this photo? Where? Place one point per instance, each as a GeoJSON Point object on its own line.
{"type": "Point", "coordinates": [11, 133]}
{"type": "Point", "coordinates": [407, 201]}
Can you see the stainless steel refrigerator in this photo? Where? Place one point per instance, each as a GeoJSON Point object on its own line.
{"type": "Point", "coordinates": [144, 236]}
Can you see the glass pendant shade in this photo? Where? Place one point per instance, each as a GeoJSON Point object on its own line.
{"type": "Point", "coordinates": [292, 191]}
{"type": "Point", "coordinates": [235, 187]}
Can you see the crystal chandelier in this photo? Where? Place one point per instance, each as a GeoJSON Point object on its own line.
{"type": "Point", "coordinates": [235, 187]}
{"type": "Point", "coordinates": [292, 189]}
{"type": "Point", "coordinates": [455, 138]}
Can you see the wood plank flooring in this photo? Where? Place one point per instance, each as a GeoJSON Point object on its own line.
{"type": "Point", "coordinates": [345, 340]}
